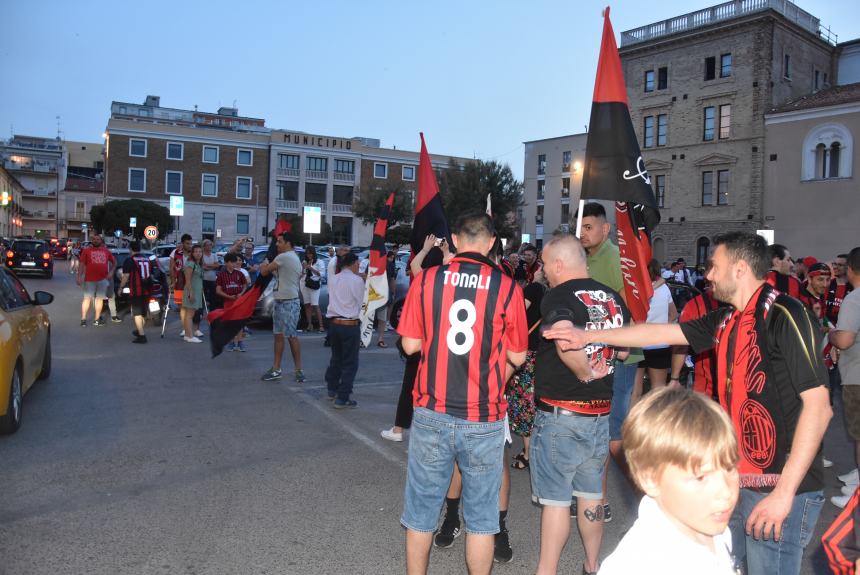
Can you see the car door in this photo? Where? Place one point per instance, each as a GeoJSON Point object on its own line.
{"type": "Point", "coordinates": [26, 323]}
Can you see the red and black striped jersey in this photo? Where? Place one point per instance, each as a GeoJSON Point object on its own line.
{"type": "Point", "coordinates": [467, 314]}
{"type": "Point", "coordinates": [836, 292]}
{"type": "Point", "coordinates": [788, 285]}
{"type": "Point", "coordinates": [139, 270]}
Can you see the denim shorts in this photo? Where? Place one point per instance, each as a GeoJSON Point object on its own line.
{"type": "Point", "coordinates": [436, 441]}
{"type": "Point", "coordinates": [623, 379]}
{"type": "Point", "coordinates": [285, 317]}
{"type": "Point", "coordinates": [567, 457]}
{"type": "Point", "coordinates": [97, 289]}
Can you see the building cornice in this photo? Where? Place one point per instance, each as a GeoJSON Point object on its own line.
{"type": "Point", "coordinates": [811, 113]}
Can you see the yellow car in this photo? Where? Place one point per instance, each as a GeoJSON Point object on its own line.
{"type": "Point", "coordinates": [25, 346]}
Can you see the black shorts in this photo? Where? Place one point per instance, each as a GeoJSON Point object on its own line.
{"type": "Point", "coordinates": [139, 305]}
{"type": "Point", "coordinates": [657, 358]}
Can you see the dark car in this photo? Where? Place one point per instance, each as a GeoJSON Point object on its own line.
{"type": "Point", "coordinates": [30, 256]}
{"type": "Point", "coordinates": [60, 250]}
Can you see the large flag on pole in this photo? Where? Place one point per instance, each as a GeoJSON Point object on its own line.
{"type": "Point", "coordinates": [614, 170]}
{"type": "Point", "coordinates": [429, 214]}
{"type": "Point", "coordinates": [376, 286]}
{"type": "Point", "coordinates": [226, 322]}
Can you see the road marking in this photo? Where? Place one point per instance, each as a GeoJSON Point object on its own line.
{"type": "Point", "coordinates": [357, 384]}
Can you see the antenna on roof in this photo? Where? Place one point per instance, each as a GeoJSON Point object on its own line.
{"type": "Point", "coordinates": [59, 131]}
{"type": "Point", "coordinates": [234, 103]}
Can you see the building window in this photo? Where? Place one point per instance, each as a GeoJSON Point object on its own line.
{"type": "Point", "coordinates": [662, 129]}
{"type": "Point", "coordinates": [565, 213]}
{"type": "Point", "coordinates": [408, 173]}
{"type": "Point", "coordinates": [380, 171]}
{"type": "Point", "coordinates": [710, 68]}
{"type": "Point", "coordinates": [725, 121]}
{"type": "Point", "coordinates": [342, 195]}
{"type": "Point", "coordinates": [210, 154]}
{"type": "Point", "coordinates": [137, 148]}
{"type": "Point", "coordinates": [317, 164]}
{"type": "Point", "coordinates": [723, 188]}
{"type": "Point", "coordinates": [786, 66]}
{"type": "Point", "coordinates": [173, 183]}
{"type": "Point", "coordinates": [136, 180]}
{"type": "Point", "coordinates": [827, 152]}
{"type": "Point", "coordinates": [648, 133]}
{"type": "Point", "coordinates": [662, 78]}
{"type": "Point", "coordinates": [565, 162]}
{"type": "Point", "coordinates": [243, 188]}
{"type": "Point", "coordinates": [539, 216]}
{"type": "Point", "coordinates": [702, 247]}
{"type": "Point", "coordinates": [242, 223]}
{"type": "Point", "coordinates": [541, 189]}
{"type": "Point", "coordinates": [709, 124]}
{"type": "Point", "coordinates": [210, 186]}
{"type": "Point", "coordinates": [344, 166]}
{"type": "Point", "coordinates": [827, 160]}
{"type": "Point", "coordinates": [288, 161]}
{"type": "Point", "coordinates": [725, 65]}
{"type": "Point", "coordinates": [288, 191]}
{"type": "Point", "coordinates": [660, 190]}
{"type": "Point", "coordinates": [175, 151]}
{"type": "Point", "coordinates": [565, 187]}
{"type": "Point", "coordinates": [315, 193]}
{"type": "Point", "coordinates": [244, 157]}
{"type": "Point", "coordinates": [649, 80]}
{"type": "Point", "coordinates": [208, 222]}
{"type": "Point", "coordinates": [542, 164]}
{"type": "Point", "coordinates": [707, 188]}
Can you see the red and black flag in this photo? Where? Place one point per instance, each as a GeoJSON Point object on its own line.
{"type": "Point", "coordinates": [226, 322]}
{"type": "Point", "coordinates": [429, 214]}
{"type": "Point", "coordinates": [615, 170]}
{"type": "Point", "coordinates": [841, 541]}
{"type": "Point", "coordinates": [376, 286]}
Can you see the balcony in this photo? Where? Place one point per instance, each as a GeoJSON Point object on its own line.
{"type": "Point", "coordinates": [321, 206]}
{"type": "Point", "coordinates": [38, 214]}
{"type": "Point", "coordinates": [287, 172]}
{"type": "Point", "coordinates": [723, 12]}
{"type": "Point", "coordinates": [77, 216]}
{"type": "Point", "coordinates": [344, 177]}
{"type": "Point", "coordinates": [40, 193]}
{"type": "Point", "coordinates": [316, 175]}
{"type": "Point", "coordinates": [287, 205]}
{"type": "Point", "coordinates": [341, 209]}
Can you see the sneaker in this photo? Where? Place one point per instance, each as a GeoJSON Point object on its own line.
{"type": "Point", "coordinates": [83, 323]}
{"type": "Point", "coordinates": [607, 513]}
{"type": "Point", "coordinates": [98, 323]}
{"type": "Point", "coordinates": [332, 396]}
{"type": "Point", "coordinates": [449, 531]}
{"type": "Point", "coordinates": [300, 376]}
{"type": "Point", "coordinates": [272, 375]}
{"type": "Point", "coordinates": [573, 508]}
{"type": "Point", "coordinates": [826, 463]}
{"type": "Point", "coordinates": [182, 333]}
{"type": "Point", "coordinates": [345, 403]}
{"type": "Point", "coordinates": [850, 478]}
{"type": "Point", "coordinates": [849, 490]}
{"type": "Point", "coordinates": [391, 435]}
{"type": "Point", "coordinates": [840, 501]}
{"type": "Point", "coordinates": [502, 552]}
{"type": "Point", "coordinates": [192, 340]}
{"type": "Point", "coordinates": [115, 319]}
{"type": "Point", "coordinates": [230, 347]}
{"type": "Point", "coordinates": [241, 347]}
{"type": "Point", "coordinates": [139, 339]}
{"type": "Point", "coordinates": [198, 333]}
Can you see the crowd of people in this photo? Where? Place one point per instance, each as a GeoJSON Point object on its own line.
{"type": "Point", "coordinates": [714, 409]}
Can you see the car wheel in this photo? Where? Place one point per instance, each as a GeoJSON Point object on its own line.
{"type": "Point", "coordinates": [49, 274]}
{"type": "Point", "coordinates": [46, 360]}
{"type": "Point", "coordinates": [10, 422]}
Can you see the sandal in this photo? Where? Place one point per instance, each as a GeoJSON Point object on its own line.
{"type": "Point", "coordinates": [520, 461]}
{"type": "Point", "coordinates": [382, 344]}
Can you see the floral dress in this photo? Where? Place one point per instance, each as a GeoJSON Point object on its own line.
{"type": "Point", "coordinates": [520, 388]}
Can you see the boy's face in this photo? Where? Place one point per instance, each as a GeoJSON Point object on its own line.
{"type": "Point", "coordinates": [699, 503]}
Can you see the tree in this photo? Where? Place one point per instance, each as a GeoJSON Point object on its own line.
{"type": "Point", "coordinates": [465, 188]}
{"type": "Point", "coordinates": [324, 237]}
{"type": "Point", "coordinates": [115, 214]}
{"type": "Point", "coordinates": [371, 199]}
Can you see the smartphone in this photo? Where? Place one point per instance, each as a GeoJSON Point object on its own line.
{"type": "Point", "coordinates": [438, 242]}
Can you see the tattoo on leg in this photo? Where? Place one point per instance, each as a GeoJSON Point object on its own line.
{"type": "Point", "coordinates": [595, 513]}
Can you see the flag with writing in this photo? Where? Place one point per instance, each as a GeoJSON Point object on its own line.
{"type": "Point", "coordinates": [614, 170]}
{"type": "Point", "coordinates": [429, 213]}
{"type": "Point", "coordinates": [376, 285]}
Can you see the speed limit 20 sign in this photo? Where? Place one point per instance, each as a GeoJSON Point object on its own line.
{"type": "Point", "coordinates": [151, 233]}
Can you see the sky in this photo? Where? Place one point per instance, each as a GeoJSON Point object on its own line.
{"type": "Point", "coordinates": [478, 77]}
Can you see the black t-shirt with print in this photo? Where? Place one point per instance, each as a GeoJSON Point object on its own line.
{"type": "Point", "coordinates": [590, 305]}
{"type": "Point", "coordinates": [534, 293]}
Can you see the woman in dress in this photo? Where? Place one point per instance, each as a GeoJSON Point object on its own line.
{"type": "Point", "coordinates": [311, 282]}
{"type": "Point", "coordinates": [192, 296]}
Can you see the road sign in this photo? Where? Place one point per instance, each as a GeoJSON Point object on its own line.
{"type": "Point", "coordinates": [118, 233]}
{"type": "Point", "coordinates": [150, 233]}
{"type": "Point", "coordinates": [312, 219]}
{"type": "Point", "coordinates": [83, 226]}
{"type": "Point", "coordinates": [218, 233]}
{"type": "Point", "coordinates": [525, 238]}
{"type": "Point", "coordinates": [132, 222]}
{"type": "Point", "coordinates": [177, 206]}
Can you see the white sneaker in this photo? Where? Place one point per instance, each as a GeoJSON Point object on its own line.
{"type": "Point", "coordinates": [199, 333]}
{"type": "Point", "coordinates": [850, 478]}
{"type": "Point", "coordinates": [192, 340]}
{"type": "Point", "coordinates": [182, 333]}
{"type": "Point", "coordinates": [391, 435]}
{"type": "Point", "coordinates": [848, 490]}
{"type": "Point", "coordinates": [840, 501]}
{"type": "Point", "coordinates": [826, 463]}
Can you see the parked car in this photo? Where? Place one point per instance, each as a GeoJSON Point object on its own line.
{"type": "Point", "coordinates": [25, 346]}
{"type": "Point", "coordinates": [30, 256]}
{"type": "Point", "coordinates": [60, 250]}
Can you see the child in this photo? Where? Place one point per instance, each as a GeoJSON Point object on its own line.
{"type": "Point", "coordinates": [683, 455]}
{"type": "Point", "coordinates": [229, 285]}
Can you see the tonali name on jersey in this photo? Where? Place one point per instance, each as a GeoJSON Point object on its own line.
{"type": "Point", "coordinates": [465, 280]}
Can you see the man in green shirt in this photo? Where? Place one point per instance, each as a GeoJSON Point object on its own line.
{"type": "Point", "coordinates": [604, 265]}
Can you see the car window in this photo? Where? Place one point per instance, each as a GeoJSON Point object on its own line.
{"type": "Point", "coordinates": [12, 292]}
{"type": "Point", "coordinates": [24, 246]}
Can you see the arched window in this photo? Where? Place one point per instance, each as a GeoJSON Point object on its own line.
{"type": "Point", "coordinates": [702, 246]}
{"type": "Point", "coordinates": [827, 152]}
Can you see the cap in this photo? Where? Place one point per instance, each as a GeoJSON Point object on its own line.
{"type": "Point", "coordinates": [809, 261]}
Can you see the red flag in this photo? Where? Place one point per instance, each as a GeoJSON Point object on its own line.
{"type": "Point", "coordinates": [614, 170]}
{"type": "Point", "coordinates": [429, 213]}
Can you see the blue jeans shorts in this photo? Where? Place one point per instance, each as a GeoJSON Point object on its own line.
{"type": "Point", "coordinates": [436, 441]}
{"type": "Point", "coordinates": [567, 457]}
{"type": "Point", "coordinates": [285, 317]}
{"type": "Point", "coordinates": [623, 379]}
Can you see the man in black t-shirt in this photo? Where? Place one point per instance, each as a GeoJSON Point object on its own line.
{"type": "Point", "coordinates": [136, 273]}
{"type": "Point", "coordinates": [772, 382]}
{"type": "Point", "coordinates": [573, 392]}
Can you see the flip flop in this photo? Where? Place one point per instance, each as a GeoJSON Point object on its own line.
{"type": "Point", "coordinates": [520, 461]}
{"type": "Point", "coordinates": [382, 344]}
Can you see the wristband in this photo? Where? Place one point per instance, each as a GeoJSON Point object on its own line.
{"type": "Point", "coordinates": [673, 378]}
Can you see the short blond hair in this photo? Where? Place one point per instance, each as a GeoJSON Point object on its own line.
{"type": "Point", "coordinates": [678, 427]}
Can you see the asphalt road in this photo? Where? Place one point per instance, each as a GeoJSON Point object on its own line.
{"type": "Point", "coordinates": [158, 459]}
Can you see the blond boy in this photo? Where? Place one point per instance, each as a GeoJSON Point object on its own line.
{"type": "Point", "coordinates": [683, 455]}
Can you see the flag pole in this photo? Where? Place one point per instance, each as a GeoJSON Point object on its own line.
{"type": "Point", "coordinates": [579, 217]}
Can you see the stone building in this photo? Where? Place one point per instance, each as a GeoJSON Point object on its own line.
{"type": "Point", "coordinates": [84, 187]}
